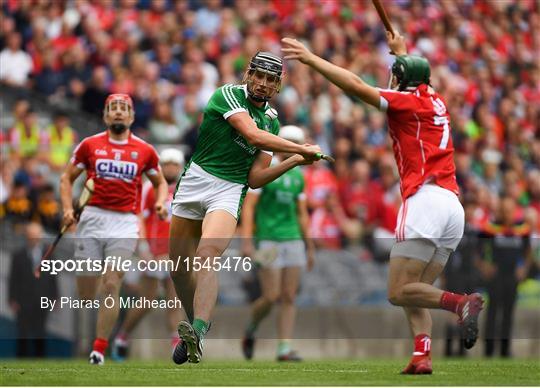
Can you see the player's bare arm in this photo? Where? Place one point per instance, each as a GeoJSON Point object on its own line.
{"type": "Point", "coordinates": [263, 140]}
{"type": "Point", "coordinates": [262, 173]}
{"type": "Point", "coordinates": [303, 219]}
{"type": "Point", "coordinates": [349, 82]}
{"type": "Point", "coordinates": [70, 174]}
{"type": "Point", "coordinates": [160, 186]}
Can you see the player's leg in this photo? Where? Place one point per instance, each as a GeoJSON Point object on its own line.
{"type": "Point", "coordinates": [116, 250]}
{"type": "Point", "coordinates": [87, 286]}
{"type": "Point", "coordinates": [508, 300]}
{"type": "Point", "coordinates": [428, 235]}
{"type": "Point", "coordinates": [492, 315]}
{"type": "Point", "coordinates": [420, 318]}
{"type": "Point", "coordinates": [287, 312]}
{"type": "Point", "coordinates": [89, 283]}
{"type": "Point", "coordinates": [420, 323]}
{"type": "Point", "coordinates": [174, 315]}
{"type": "Point", "coordinates": [184, 236]}
{"type": "Point", "coordinates": [269, 280]}
{"type": "Point", "coordinates": [407, 264]}
{"type": "Point", "coordinates": [108, 311]}
{"type": "Point", "coordinates": [218, 228]}
{"type": "Point", "coordinates": [405, 271]}
{"type": "Point", "coordinates": [147, 289]}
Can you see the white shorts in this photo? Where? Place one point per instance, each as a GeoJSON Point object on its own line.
{"type": "Point", "coordinates": [277, 255]}
{"type": "Point", "coordinates": [199, 193]}
{"type": "Point", "coordinates": [433, 214]}
{"type": "Point", "coordinates": [102, 233]}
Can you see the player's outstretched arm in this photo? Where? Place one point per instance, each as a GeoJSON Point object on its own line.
{"type": "Point", "coordinates": [263, 140]}
{"type": "Point", "coordinates": [160, 185]}
{"type": "Point", "coordinates": [262, 173]}
{"type": "Point", "coordinates": [67, 178]}
{"type": "Point", "coordinates": [349, 82]}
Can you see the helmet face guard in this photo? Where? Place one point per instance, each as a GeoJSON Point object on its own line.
{"type": "Point", "coordinates": [118, 112]}
{"type": "Point", "coordinates": [410, 72]}
{"type": "Point", "coordinates": [263, 76]}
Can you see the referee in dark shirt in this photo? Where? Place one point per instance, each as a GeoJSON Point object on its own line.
{"type": "Point", "coordinates": [504, 263]}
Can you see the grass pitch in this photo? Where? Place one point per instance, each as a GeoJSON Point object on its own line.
{"type": "Point", "coordinates": [215, 373]}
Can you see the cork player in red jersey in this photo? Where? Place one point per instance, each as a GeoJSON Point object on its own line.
{"type": "Point", "coordinates": [431, 219]}
{"type": "Point", "coordinates": [109, 226]}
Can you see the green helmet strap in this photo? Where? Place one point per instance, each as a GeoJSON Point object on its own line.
{"type": "Point", "coordinates": [411, 71]}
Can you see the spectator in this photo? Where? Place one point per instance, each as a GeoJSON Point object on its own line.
{"type": "Point", "coordinates": [163, 128]}
{"type": "Point", "coordinates": [62, 139]}
{"type": "Point", "coordinates": [331, 227]}
{"type": "Point", "coordinates": [49, 78]}
{"type": "Point", "coordinates": [76, 71]}
{"type": "Point", "coordinates": [504, 263]}
{"type": "Point", "coordinates": [169, 67]}
{"type": "Point", "coordinates": [18, 208]}
{"type": "Point", "coordinates": [26, 138]}
{"type": "Point", "coordinates": [359, 191]}
{"type": "Point", "coordinates": [93, 98]}
{"type": "Point", "coordinates": [383, 210]}
{"type": "Point", "coordinates": [20, 108]}
{"type": "Point", "coordinates": [48, 210]}
{"type": "Point", "coordinates": [6, 180]}
{"type": "Point", "coordinates": [15, 63]}
{"type": "Point", "coordinates": [25, 293]}
{"type": "Point", "coordinates": [319, 182]}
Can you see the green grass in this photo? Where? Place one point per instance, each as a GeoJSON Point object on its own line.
{"type": "Point", "coordinates": [350, 372]}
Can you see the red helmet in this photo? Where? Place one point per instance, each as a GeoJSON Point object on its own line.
{"type": "Point", "coordinates": [119, 97]}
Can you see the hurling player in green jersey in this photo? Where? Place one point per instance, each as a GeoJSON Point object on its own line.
{"type": "Point", "coordinates": [236, 139]}
{"type": "Point", "coordinates": [277, 216]}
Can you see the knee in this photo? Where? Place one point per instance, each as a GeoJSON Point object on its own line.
{"type": "Point", "coordinates": [111, 284]}
{"type": "Point", "coordinates": [87, 294]}
{"type": "Point", "coordinates": [208, 251]}
{"type": "Point", "coordinates": [394, 296]}
{"type": "Point", "coordinates": [271, 297]}
{"type": "Point", "coordinates": [288, 298]}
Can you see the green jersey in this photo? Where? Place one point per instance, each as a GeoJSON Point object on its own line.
{"type": "Point", "coordinates": [276, 213]}
{"type": "Point", "coordinates": [221, 150]}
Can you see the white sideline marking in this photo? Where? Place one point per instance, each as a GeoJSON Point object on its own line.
{"type": "Point", "coordinates": [175, 370]}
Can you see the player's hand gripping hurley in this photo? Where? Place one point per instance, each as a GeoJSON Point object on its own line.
{"type": "Point", "coordinates": [85, 197]}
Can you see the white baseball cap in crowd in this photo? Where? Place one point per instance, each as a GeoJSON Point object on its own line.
{"type": "Point", "coordinates": [293, 133]}
{"type": "Point", "coordinates": [171, 155]}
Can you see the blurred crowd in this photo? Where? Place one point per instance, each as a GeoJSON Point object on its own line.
{"type": "Point", "coordinates": [171, 56]}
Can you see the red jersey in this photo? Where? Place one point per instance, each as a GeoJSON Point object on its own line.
{"type": "Point", "coordinates": [157, 230]}
{"type": "Point", "coordinates": [319, 182]}
{"type": "Point", "coordinates": [324, 226]}
{"type": "Point", "coordinates": [117, 168]}
{"type": "Point", "coordinates": [419, 125]}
